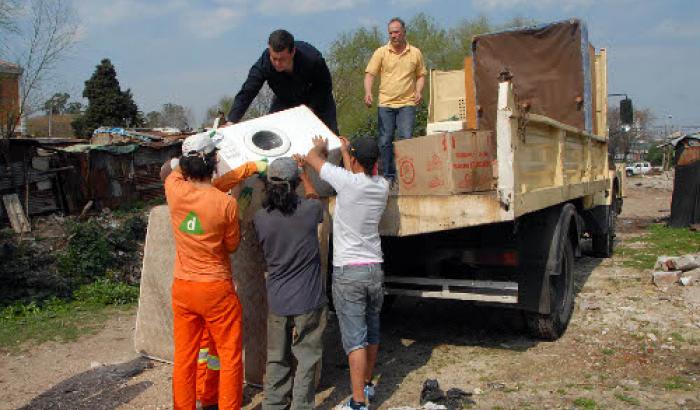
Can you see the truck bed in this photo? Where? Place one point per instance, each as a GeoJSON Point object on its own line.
{"type": "Point", "coordinates": [540, 163]}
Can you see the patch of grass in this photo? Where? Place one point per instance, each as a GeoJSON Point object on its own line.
{"type": "Point", "coordinates": [586, 404]}
{"type": "Point", "coordinates": [608, 351]}
{"type": "Point", "coordinates": [678, 383]}
{"type": "Point", "coordinates": [677, 337]}
{"type": "Point", "coordinates": [561, 392]}
{"type": "Point", "coordinates": [60, 319]}
{"type": "Point", "coordinates": [658, 240]}
{"type": "Point", "coordinates": [131, 207]}
{"type": "Point", "coordinates": [627, 399]}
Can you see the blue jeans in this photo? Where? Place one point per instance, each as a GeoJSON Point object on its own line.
{"type": "Point", "coordinates": [358, 293]}
{"type": "Point", "coordinates": [391, 120]}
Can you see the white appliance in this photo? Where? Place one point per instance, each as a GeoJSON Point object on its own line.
{"type": "Point", "coordinates": [281, 134]}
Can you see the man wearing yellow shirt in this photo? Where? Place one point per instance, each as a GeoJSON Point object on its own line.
{"type": "Point", "coordinates": [401, 79]}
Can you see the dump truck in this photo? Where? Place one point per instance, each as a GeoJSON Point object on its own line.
{"type": "Point", "coordinates": [514, 240]}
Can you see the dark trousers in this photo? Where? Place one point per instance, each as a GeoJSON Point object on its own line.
{"type": "Point", "coordinates": [300, 336]}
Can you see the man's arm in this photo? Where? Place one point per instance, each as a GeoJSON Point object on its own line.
{"type": "Point", "coordinates": [321, 87]}
{"type": "Point", "coordinates": [345, 152]}
{"type": "Point", "coordinates": [309, 189]}
{"type": "Point", "coordinates": [249, 90]}
{"type": "Point", "coordinates": [369, 80]}
{"type": "Point", "coordinates": [418, 96]}
{"type": "Point", "coordinates": [334, 175]}
{"type": "Point", "coordinates": [420, 73]}
{"type": "Point", "coordinates": [234, 177]}
{"type": "Point", "coordinates": [374, 67]}
{"type": "Point", "coordinates": [317, 155]}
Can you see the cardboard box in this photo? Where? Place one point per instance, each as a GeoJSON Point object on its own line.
{"type": "Point", "coordinates": [447, 163]}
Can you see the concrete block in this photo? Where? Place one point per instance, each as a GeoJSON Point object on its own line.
{"type": "Point", "coordinates": [663, 278]}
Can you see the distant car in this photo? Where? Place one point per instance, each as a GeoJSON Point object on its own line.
{"type": "Point", "coordinates": [638, 168]}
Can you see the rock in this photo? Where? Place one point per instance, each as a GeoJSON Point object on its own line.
{"type": "Point", "coordinates": [663, 279]}
{"type": "Point", "coordinates": [690, 278]}
{"type": "Point", "coordinates": [681, 263]}
{"type": "Point", "coordinates": [432, 406]}
{"type": "Point", "coordinates": [94, 365]}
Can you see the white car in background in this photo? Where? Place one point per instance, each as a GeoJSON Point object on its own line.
{"type": "Point", "coordinates": [638, 168]}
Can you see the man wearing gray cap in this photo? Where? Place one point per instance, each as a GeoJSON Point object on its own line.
{"type": "Point", "coordinates": [287, 229]}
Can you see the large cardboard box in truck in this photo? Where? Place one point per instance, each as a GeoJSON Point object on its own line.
{"type": "Point", "coordinates": [445, 163]}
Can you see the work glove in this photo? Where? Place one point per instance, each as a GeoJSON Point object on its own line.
{"type": "Point", "coordinates": [261, 165]}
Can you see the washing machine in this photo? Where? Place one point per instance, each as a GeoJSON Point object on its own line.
{"type": "Point", "coordinates": [281, 134]}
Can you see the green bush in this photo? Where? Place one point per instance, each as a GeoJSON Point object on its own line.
{"type": "Point", "coordinates": [105, 292]}
{"type": "Point", "coordinates": [126, 236]}
{"type": "Point", "coordinates": [88, 254]}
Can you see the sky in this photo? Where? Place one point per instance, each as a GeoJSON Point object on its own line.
{"type": "Point", "coordinates": [192, 53]}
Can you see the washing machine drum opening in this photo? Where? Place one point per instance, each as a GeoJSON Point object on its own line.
{"type": "Point", "coordinates": [268, 143]}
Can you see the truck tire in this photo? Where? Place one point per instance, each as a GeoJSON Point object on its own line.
{"type": "Point", "coordinates": [561, 295]}
{"type": "Point", "coordinates": [603, 243]}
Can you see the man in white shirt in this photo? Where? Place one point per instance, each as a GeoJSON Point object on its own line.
{"type": "Point", "coordinates": [357, 256]}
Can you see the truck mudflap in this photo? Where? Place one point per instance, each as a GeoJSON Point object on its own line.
{"type": "Point", "coordinates": [459, 289]}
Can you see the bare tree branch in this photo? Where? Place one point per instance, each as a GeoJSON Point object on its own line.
{"type": "Point", "coordinates": [50, 34]}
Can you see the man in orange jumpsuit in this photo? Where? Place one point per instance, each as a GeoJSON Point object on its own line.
{"type": "Point", "coordinates": [205, 227]}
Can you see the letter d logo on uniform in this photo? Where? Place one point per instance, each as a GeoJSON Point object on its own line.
{"type": "Point", "coordinates": [191, 224]}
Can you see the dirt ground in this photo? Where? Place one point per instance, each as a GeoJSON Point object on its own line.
{"type": "Point", "coordinates": [629, 344]}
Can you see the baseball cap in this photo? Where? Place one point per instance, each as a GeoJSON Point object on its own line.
{"type": "Point", "coordinates": [364, 148]}
{"type": "Point", "coordinates": [282, 169]}
{"type": "Point", "coordinates": [198, 144]}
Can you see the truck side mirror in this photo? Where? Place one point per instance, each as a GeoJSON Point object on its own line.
{"type": "Point", "coordinates": [626, 112]}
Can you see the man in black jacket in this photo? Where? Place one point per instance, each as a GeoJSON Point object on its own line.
{"type": "Point", "coordinates": [297, 74]}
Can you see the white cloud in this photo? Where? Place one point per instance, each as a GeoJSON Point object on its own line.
{"type": "Point", "coordinates": [409, 3]}
{"type": "Point", "coordinates": [282, 7]}
{"type": "Point", "coordinates": [540, 4]}
{"type": "Point", "coordinates": [210, 24]}
{"type": "Point", "coordinates": [113, 12]}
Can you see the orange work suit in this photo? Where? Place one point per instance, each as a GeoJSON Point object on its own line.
{"type": "Point", "coordinates": [205, 227]}
{"type": "Point", "coordinates": [208, 363]}
{"type": "Point", "coordinates": [208, 366]}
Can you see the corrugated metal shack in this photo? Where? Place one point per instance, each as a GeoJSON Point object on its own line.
{"type": "Point", "coordinates": [685, 202]}
{"type": "Point", "coordinates": [35, 175]}
{"type": "Point", "coordinates": [120, 166]}
{"type": "Point", "coordinates": [114, 168]}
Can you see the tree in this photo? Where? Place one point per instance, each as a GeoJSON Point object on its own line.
{"type": "Point", "coordinates": [56, 104]}
{"type": "Point", "coordinates": [9, 11]}
{"type": "Point", "coordinates": [171, 115]}
{"type": "Point", "coordinates": [622, 140]}
{"type": "Point", "coordinates": [347, 59]}
{"type": "Point", "coordinates": [37, 45]}
{"type": "Point", "coordinates": [154, 119]}
{"type": "Point", "coordinates": [259, 107]}
{"type": "Point", "coordinates": [223, 106]}
{"type": "Point", "coordinates": [75, 107]}
{"type": "Point", "coordinates": [108, 105]}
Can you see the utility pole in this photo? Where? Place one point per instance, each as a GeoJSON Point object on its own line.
{"type": "Point", "coordinates": [51, 104]}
